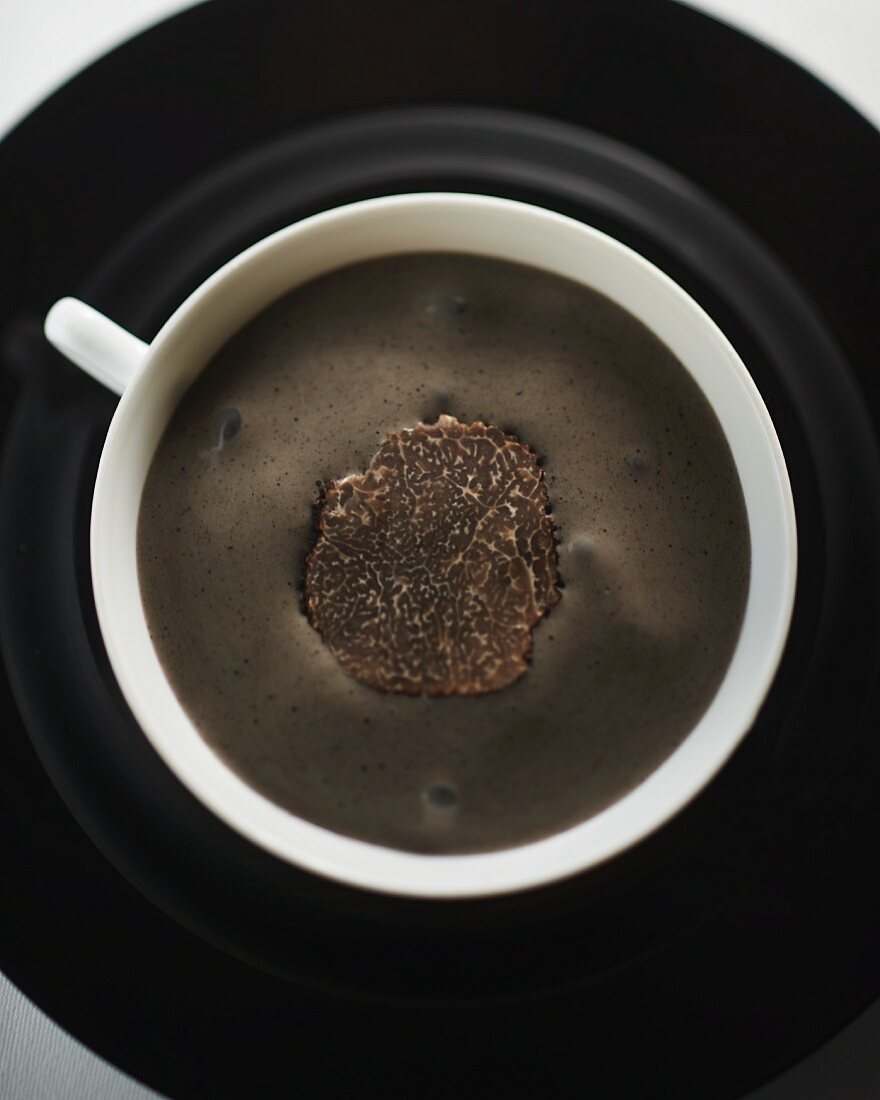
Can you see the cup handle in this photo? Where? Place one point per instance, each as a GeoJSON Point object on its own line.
{"type": "Point", "coordinates": [94, 343]}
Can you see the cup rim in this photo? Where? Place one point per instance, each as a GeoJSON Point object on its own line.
{"type": "Point", "coordinates": [569, 851]}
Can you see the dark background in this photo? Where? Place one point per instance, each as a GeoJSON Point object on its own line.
{"type": "Point", "coordinates": [712, 957]}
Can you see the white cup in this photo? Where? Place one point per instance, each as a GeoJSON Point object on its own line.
{"type": "Point", "coordinates": [152, 379]}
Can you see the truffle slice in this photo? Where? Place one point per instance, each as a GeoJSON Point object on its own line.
{"type": "Point", "coordinates": [432, 568]}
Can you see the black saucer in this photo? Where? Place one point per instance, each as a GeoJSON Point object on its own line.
{"type": "Point", "coordinates": [713, 955]}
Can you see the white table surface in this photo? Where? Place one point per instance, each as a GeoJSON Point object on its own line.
{"type": "Point", "coordinates": [45, 42]}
